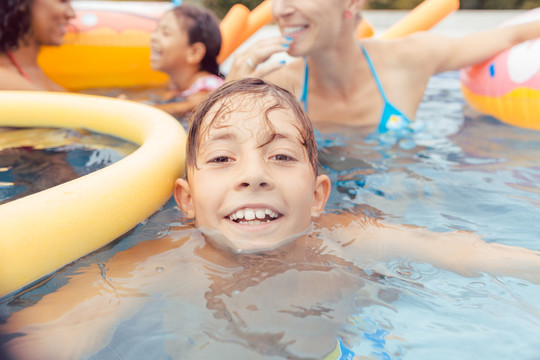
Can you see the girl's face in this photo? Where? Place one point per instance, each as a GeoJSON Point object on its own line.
{"type": "Point", "coordinates": [169, 44]}
{"type": "Point", "coordinates": [312, 24]}
{"type": "Point", "coordinates": [50, 19]}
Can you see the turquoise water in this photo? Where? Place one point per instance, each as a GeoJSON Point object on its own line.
{"type": "Point", "coordinates": [62, 155]}
{"type": "Point", "coordinates": [151, 295]}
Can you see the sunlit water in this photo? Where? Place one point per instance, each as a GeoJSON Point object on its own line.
{"type": "Point", "coordinates": [157, 293]}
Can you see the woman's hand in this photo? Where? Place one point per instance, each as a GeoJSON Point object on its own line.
{"type": "Point", "coordinates": [249, 62]}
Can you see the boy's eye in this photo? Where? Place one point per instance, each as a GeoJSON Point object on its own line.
{"type": "Point", "coordinates": [283, 157]}
{"type": "Point", "coordinates": [220, 159]}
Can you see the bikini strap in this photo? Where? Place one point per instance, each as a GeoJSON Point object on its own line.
{"type": "Point", "coordinates": [374, 73]}
{"type": "Point", "coordinates": [17, 66]}
{"type": "Point", "coordinates": [305, 87]}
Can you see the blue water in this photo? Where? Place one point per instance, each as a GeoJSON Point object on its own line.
{"type": "Point", "coordinates": [461, 171]}
{"type": "Point", "coordinates": [60, 155]}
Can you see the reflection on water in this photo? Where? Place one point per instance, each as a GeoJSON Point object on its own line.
{"type": "Point", "coordinates": [161, 292]}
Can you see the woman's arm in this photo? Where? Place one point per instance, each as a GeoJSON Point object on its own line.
{"type": "Point", "coordinates": [448, 54]}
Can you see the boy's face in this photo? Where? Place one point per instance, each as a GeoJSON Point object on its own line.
{"type": "Point", "coordinates": [251, 190]}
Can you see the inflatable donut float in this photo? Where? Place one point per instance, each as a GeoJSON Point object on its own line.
{"type": "Point", "coordinates": [44, 231]}
{"type": "Point", "coordinates": [507, 86]}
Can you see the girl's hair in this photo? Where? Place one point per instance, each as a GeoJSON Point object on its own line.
{"type": "Point", "coordinates": [202, 26]}
{"type": "Point", "coordinates": [236, 94]}
{"type": "Point", "coordinates": [15, 21]}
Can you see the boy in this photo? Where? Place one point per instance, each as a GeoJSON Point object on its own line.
{"type": "Point", "coordinates": [252, 279]}
{"type": "Point", "coordinates": [238, 155]}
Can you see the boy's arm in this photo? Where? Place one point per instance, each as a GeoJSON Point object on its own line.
{"type": "Point", "coordinates": [460, 252]}
{"type": "Point", "coordinates": [464, 253]}
{"type": "Point", "coordinates": [70, 323]}
{"type": "Point", "coordinates": [79, 318]}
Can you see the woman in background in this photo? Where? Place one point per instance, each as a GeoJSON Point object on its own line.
{"type": "Point", "coordinates": [371, 83]}
{"type": "Point", "coordinates": [26, 26]}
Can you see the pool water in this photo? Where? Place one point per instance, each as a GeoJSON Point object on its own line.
{"type": "Point", "coordinates": [152, 295]}
{"type": "Point", "coordinates": [36, 159]}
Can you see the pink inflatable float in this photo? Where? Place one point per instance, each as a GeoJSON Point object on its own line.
{"type": "Point", "coordinates": [507, 86]}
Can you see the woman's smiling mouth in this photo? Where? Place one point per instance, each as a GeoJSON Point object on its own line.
{"type": "Point", "coordinates": [293, 30]}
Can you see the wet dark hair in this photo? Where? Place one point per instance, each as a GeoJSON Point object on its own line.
{"type": "Point", "coordinates": [233, 96]}
{"type": "Point", "coordinates": [202, 26]}
{"type": "Point", "coordinates": [15, 21]}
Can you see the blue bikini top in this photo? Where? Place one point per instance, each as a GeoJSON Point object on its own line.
{"type": "Point", "coordinates": [391, 118]}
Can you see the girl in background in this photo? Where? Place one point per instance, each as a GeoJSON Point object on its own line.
{"type": "Point", "coordinates": [185, 46]}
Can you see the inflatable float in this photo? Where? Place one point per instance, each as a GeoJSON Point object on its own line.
{"type": "Point", "coordinates": [507, 86]}
{"type": "Point", "coordinates": [44, 231]}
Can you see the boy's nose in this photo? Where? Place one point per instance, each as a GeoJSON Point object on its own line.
{"type": "Point", "coordinates": [261, 184]}
{"type": "Point", "coordinates": [254, 176]}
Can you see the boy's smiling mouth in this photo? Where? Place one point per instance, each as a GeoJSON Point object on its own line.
{"type": "Point", "coordinates": [253, 216]}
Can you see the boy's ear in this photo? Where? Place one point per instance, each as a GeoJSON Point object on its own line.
{"type": "Point", "coordinates": [321, 192]}
{"type": "Point", "coordinates": [183, 198]}
{"type": "Point", "coordinates": [196, 53]}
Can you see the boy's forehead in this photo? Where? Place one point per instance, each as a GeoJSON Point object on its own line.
{"type": "Point", "coordinates": [250, 114]}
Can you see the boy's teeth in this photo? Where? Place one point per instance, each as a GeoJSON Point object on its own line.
{"type": "Point", "coordinates": [249, 214]}
{"type": "Point", "coordinates": [252, 214]}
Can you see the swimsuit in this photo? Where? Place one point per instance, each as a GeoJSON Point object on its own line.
{"type": "Point", "coordinates": [305, 86]}
{"type": "Point", "coordinates": [205, 83]}
{"type": "Point", "coordinates": [341, 352]}
{"type": "Point", "coordinates": [17, 66]}
{"type": "Point", "coordinates": [391, 119]}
